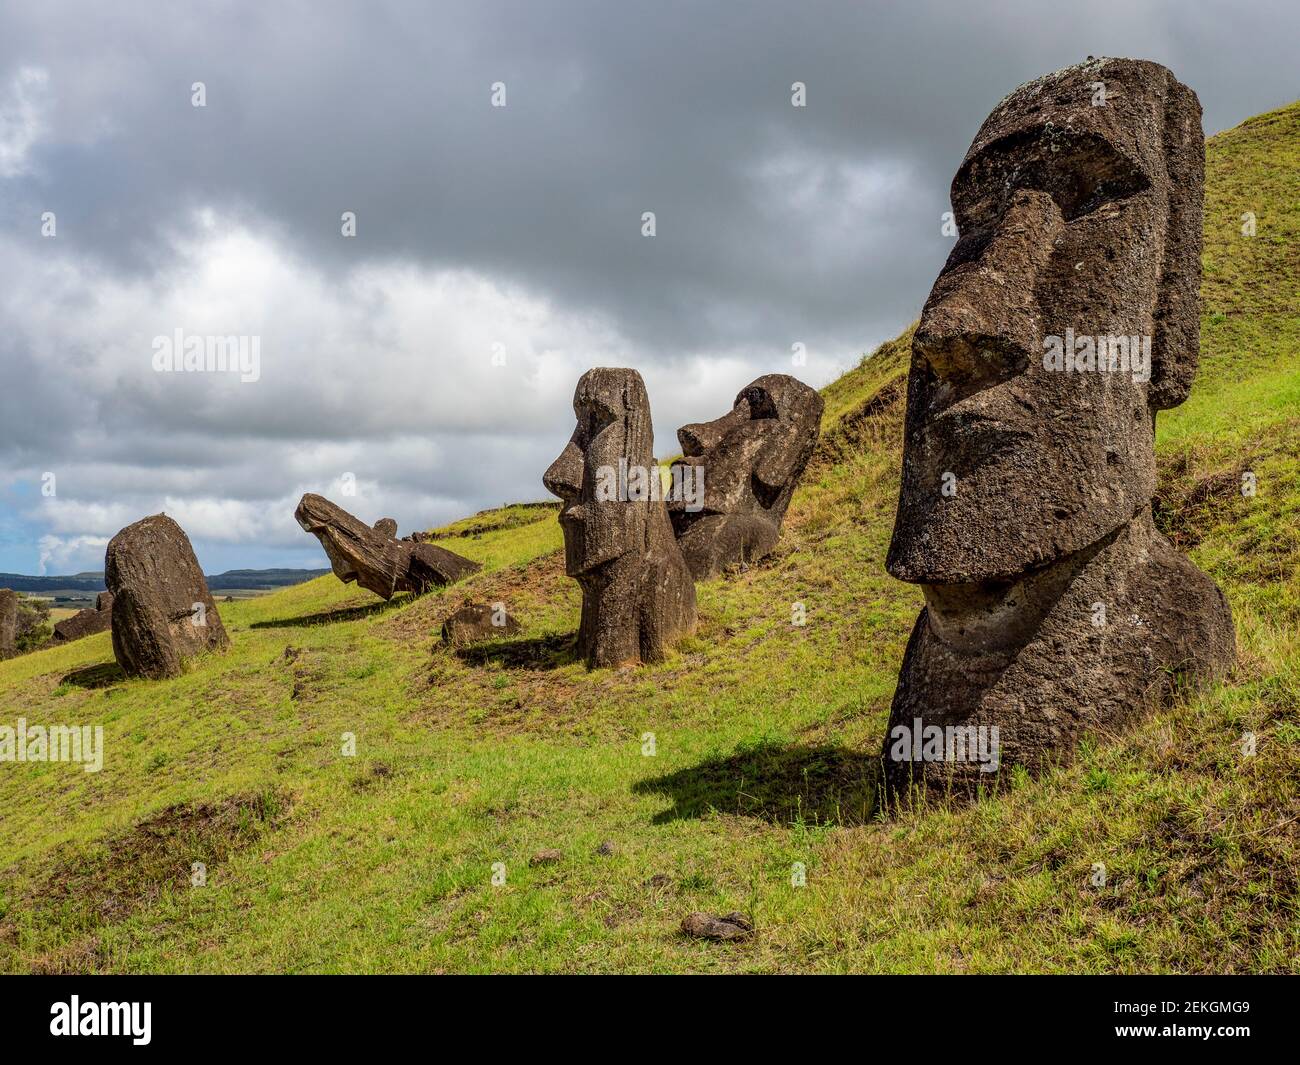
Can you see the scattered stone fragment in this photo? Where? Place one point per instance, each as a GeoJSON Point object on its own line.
{"type": "Point", "coordinates": [730, 926]}
{"type": "Point", "coordinates": [162, 612]}
{"type": "Point", "coordinates": [606, 849]}
{"type": "Point", "coordinates": [546, 857]}
{"type": "Point", "coordinates": [473, 622]}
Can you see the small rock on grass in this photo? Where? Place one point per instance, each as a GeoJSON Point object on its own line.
{"type": "Point", "coordinates": [546, 857]}
{"type": "Point", "coordinates": [734, 925]}
{"type": "Point", "coordinates": [606, 848]}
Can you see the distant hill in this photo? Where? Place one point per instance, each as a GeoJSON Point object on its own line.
{"type": "Point", "coordinates": [248, 579]}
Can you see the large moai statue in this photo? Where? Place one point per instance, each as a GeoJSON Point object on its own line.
{"type": "Point", "coordinates": [373, 557]}
{"type": "Point", "coordinates": [1066, 316]}
{"type": "Point", "coordinates": [162, 613]}
{"type": "Point", "coordinates": [637, 593]}
{"type": "Point", "coordinates": [746, 466]}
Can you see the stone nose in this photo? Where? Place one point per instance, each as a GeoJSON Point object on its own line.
{"type": "Point", "coordinates": [980, 324]}
{"type": "Point", "coordinates": [699, 437]}
{"type": "Point", "coordinates": [564, 477]}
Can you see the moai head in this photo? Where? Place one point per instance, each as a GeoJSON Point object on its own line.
{"type": "Point", "coordinates": [749, 463]}
{"type": "Point", "coordinates": [1079, 209]}
{"type": "Point", "coordinates": [613, 436]}
{"type": "Point", "coordinates": [637, 594]}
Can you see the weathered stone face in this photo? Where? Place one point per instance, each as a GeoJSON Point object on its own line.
{"type": "Point", "coordinates": [1076, 220]}
{"type": "Point", "coordinates": [1053, 606]}
{"type": "Point", "coordinates": [372, 557]}
{"type": "Point", "coordinates": [162, 612]}
{"type": "Point", "coordinates": [751, 461]}
{"type": "Point", "coordinates": [637, 593]}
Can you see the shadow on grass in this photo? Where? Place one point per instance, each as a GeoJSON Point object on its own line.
{"type": "Point", "coordinates": [540, 653]}
{"type": "Point", "coordinates": [774, 783]}
{"type": "Point", "coordinates": [100, 676]}
{"type": "Point", "coordinates": [329, 617]}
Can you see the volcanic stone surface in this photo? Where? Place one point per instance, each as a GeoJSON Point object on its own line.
{"type": "Point", "coordinates": [637, 594]}
{"type": "Point", "coordinates": [98, 618]}
{"type": "Point", "coordinates": [1053, 606]}
{"type": "Point", "coordinates": [162, 613]}
{"type": "Point", "coordinates": [749, 462]}
{"type": "Point", "coordinates": [474, 622]}
{"type": "Point", "coordinates": [372, 557]}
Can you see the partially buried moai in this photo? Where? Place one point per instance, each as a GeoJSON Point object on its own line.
{"type": "Point", "coordinates": [1066, 316]}
{"type": "Point", "coordinates": [748, 464]}
{"type": "Point", "coordinates": [162, 612]}
{"type": "Point", "coordinates": [637, 593]}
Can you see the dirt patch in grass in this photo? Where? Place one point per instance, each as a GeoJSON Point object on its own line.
{"type": "Point", "coordinates": [1186, 509]}
{"type": "Point", "coordinates": [109, 881]}
{"type": "Point", "coordinates": [877, 420]}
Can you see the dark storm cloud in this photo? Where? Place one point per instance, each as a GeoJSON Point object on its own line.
{"type": "Point", "coordinates": [775, 224]}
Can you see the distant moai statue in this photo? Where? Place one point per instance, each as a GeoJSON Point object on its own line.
{"type": "Point", "coordinates": [637, 593]}
{"type": "Point", "coordinates": [749, 462]}
{"type": "Point", "coordinates": [1080, 227]}
{"type": "Point", "coordinates": [158, 589]}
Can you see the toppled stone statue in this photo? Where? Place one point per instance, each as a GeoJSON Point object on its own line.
{"type": "Point", "coordinates": [373, 557]}
{"type": "Point", "coordinates": [98, 618]}
{"type": "Point", "coordinates": [637, 593]}
{"type": "Point", "coordinates": [162, 612]}
{"type": "Point", "coordinates": [8, 622]}
{"type": "Point", "coordinates": [1066, 316]}
{"type": "Point", "coordinates": [749, 463]}
{"type": "Point", "coordinates": [473, 622]}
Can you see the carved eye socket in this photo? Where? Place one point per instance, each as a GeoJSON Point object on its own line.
{"type": "Point", "coordinates": [761, 404]}
{"type": "Point", "coordinates": [596, 418]}
{"type": "Point", "coordinates": [1080, 171]}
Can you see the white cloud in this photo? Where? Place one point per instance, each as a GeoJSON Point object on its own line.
{"type": "Point", "coordinates": [22, 118]}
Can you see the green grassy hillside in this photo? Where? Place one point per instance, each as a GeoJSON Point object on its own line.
{"type": "Point", "coordinates": [763, 734]}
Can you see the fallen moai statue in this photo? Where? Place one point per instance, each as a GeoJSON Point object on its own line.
{"type": "Point", "coordinates": [1066, 317]}
{"type": "Point", "coordinates": [372, 557]}
{"type": "Point", "coordinates": [162, 613]}
{"type": "Point", "coordinates": [746, 466]}
{"type": "Point", "coordinates": [637, 594]}
{"type": "Point", "coordinates": [88, 622]}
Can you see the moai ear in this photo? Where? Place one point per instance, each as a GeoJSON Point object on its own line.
{"type": "Point", "coordinates": [1175, 345]}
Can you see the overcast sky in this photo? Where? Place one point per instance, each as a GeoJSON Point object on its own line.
{"type": "Point", "coordinates": [498, 252]}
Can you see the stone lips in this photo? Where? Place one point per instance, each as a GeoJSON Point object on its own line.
{"type": "Point", "coordinates": [1053, 606]}
{"type": "Point", "coordinates": [637, 594]}
{"type": "Point", "coordinates": [155, 581]}
{"type": "Point", "coordinates": [372, 557]}
{"type": "Point", "coordinates": [752, 458]}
